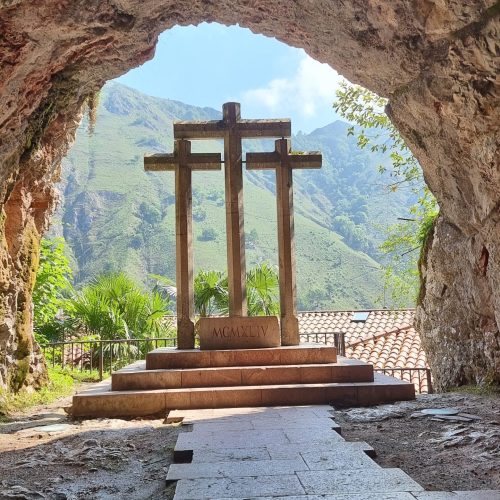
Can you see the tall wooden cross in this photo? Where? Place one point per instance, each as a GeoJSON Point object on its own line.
{"type": "Point", "coordinates": [233, 129]}
{"type": "Point", "coordinates": [182, 161]}
{"type": "Point", "coordinates": [284, 162]}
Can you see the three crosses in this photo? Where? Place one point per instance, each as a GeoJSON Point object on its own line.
{"type": "Point", "coordinates": [233, 129]}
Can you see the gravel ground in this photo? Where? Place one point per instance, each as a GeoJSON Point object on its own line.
{"type": "Point", "coordinates": [91, 459]}
{"type": "Point", "coordinates": [116, 459]}
{"type": "Point", "coordinates": [439, 454]}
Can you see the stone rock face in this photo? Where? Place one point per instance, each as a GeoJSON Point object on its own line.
{"type": "Point", "coordinates": [459, 306]}
{"type": "Point", "coordinates": [436, 60]}
{"type": "Point", "coordinates": [24, 218]}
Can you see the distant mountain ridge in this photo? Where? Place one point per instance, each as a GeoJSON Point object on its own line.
{"type": "Point", "coordinates": [115, 216]}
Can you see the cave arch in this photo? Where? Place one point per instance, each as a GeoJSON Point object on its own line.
{"type": "Point", "coordinates": [436, 61]}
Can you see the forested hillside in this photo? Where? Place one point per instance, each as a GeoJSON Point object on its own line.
{"type": "Point", "coordinates": [115, 216]}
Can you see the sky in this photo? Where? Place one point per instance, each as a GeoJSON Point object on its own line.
{"type": "Point", "coordinates": [210, 64]}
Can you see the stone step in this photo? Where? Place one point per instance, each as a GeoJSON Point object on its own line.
{"type": "Point", "coordinates": [136, 377]}
{"type": "Point", "coordinates": [390, 483]}
{"type": "Point", "coordinates": [257, 437]}
{"type": "Point", "coordinates": [331, 460]}
{"type": "Point", "coordinates": [272, 452]}
{"type": "Point", "coordinates": [243, 468]}
{"type": "Point", "coordinates": [100, 401]}
{"type": "Point", "coordinates": [170, 357]}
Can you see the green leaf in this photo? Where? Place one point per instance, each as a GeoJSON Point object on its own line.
{"type": "Point", "coordinates": [367, 111]}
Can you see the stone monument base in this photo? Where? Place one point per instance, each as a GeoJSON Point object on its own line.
{"type": "Point", "coordinates": [293, 375]}
{"type": "Point", "coordinates": [239, 332]}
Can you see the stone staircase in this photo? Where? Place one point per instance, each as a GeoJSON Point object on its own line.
{"type": "Point", "coordinates": [192, 379]}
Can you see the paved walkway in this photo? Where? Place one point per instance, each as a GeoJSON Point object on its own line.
{"type": "Point", "coordinates": [284, 452]}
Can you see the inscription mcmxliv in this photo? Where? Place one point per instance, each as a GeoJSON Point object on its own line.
{"type": "Point", "coordinates": [239, 332]}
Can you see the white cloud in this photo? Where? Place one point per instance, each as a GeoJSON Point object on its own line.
{"type": "Point", "coordinates": [310, 89]}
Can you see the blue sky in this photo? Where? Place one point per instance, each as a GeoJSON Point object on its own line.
{"type": "Point", "coordinates": [210, 64]}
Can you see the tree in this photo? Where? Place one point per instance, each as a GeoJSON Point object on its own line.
{"type": "Point", "coordinates": [112, 306]}
{"type": "Point", "coordinates": [375, 131]}
{"type": "Point", "coordinates": [149, 213]}
{"type": "Point", "coordinates": [252, 238]}
{"type": "Point", "coordinates": [211, 295]}
{"type": "Point", "coordinates": [208, 234]}
{"type": "Point", "coordinates": [165, 286]}
{"type": "Point", "coordinates": [211, 292]}
{"type": "Point", "coordinates": [199, 213]}
{"type": "Point", "coordinates": [263, 291]}
{"type": "Point", "coordinates": [353, 234]}
{"type": "Point", "coordinates": [53, 283]}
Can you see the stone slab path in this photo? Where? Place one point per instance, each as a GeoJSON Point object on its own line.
{"type": "Point", "coordinates": [284, 452]}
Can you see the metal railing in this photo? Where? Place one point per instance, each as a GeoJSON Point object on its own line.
{"type": "Point", "coordinates": [336, 339]}
{"type": "Point", "coordinates": [420, 377]}
{"type": "Point", "coordinates": [103, 356]}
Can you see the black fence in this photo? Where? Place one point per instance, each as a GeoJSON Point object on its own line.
{"type": "Point", "coordinates": [103, 356]}
{"type": "Point", "coordinates": [420, 377]}
{"type": "Point", "coordinates": [336, 339]}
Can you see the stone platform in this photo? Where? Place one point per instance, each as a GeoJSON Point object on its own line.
{"type": "Point", "coordinates": [174, 379]}
{"type": "Point", "coordinates": [284, 452]}
{"type": "Point", "coordinates": [294, 453]}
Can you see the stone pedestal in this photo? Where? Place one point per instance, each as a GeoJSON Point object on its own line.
{"type": "Point", "coordinates": [239, 332]}
{"type": "Point", "coordinates": [290, 330]}
{"type": "Point", "coordinates": [293, 375]}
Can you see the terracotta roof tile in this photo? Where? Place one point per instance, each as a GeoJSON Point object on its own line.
{"type": "Point", "coordinates": [387, 339]}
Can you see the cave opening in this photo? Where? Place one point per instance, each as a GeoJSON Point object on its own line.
{"type": "Point", "coordinates": [436, 64]}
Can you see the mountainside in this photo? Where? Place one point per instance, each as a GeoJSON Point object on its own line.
{"type": "Point", "coordinates": [115, 216]}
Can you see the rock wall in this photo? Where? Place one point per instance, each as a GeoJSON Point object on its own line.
{"type": "Point", "coordinates": [457, 141]}
{"type": "Point", "coordinates": [459, 306]}
{"type": "Point", "coordinates": [30, 199]}
{"type": "Point", "coordinates": [436, 60]}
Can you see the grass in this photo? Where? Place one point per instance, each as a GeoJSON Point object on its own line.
{"type": "Point", "coordinates": [62, 383]}
{"type": "Point", "coordinates": [478, 390]}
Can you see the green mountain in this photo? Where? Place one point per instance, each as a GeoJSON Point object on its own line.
{"type": "Point", "coordinates": [115, 216]}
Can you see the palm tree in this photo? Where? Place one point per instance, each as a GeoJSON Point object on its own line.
{"type": "Point", "coordinates": [263, 291]}
{"type": "Point", "coordinates": [211, 296]}
{"type": "Point", "coordinates": [112, 306]}
{"type": "Point", "coordinates": [164, 285]}
{"type": "Point", "coordinates": [210, 293]}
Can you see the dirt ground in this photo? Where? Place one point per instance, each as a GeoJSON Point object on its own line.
{"type": "Point", "coordinates": [440, 455]}
{"type": "Point", "coordinates": [128, 459]}
{"type": "Point", "coordinates": [92, 459]}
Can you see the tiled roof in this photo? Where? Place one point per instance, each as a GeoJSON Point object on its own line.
{"type": "Point", "coordinates": [341, 321]}
{"type": "Point", "coordinates": [387, 339]}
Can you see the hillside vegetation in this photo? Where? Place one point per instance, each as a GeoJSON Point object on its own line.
{"type": "Point", "coordinates": [116, 217]}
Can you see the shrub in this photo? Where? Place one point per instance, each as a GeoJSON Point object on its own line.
{"type": "Point", "coordinates": [113, 306]}
{"type": "Point", "coordinates": [53, 283]}
{"type": "Point", "coordinates": [208, 234]}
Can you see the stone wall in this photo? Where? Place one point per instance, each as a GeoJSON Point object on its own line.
{"type": "Point", "coordinates": [434, 59]}
{"type": "Point", "coordinates": [458, 311]}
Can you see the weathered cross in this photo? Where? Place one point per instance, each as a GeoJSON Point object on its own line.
{"type": "Point", "coordinates": [182, 161]}
{"type": "Point", "coordinates": [284, 161]}
{"type": "Point", "coordinates": [233, 129]}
